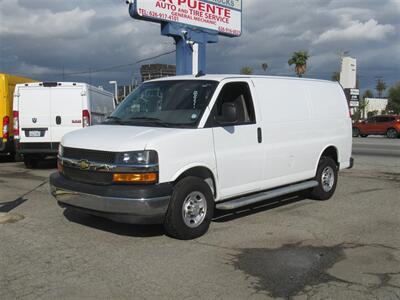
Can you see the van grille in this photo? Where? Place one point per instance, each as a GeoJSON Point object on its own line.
{"type": "Point", "coordinates": [99, 178]}
{"type": "Point", "coordinates": [103, 157]}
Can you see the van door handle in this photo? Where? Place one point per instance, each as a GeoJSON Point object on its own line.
{"type": "Point", "coordinates": [259, 135]}
{"type": "Point", "coordinates": [58, 120]}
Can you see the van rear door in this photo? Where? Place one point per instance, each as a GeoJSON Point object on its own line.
{"type": "Point", "coordinates": [66, 110]}
{"type": "Point", "coordinates": [34, 114]}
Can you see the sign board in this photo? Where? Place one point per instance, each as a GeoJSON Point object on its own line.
{"type": "Point", "coordinates": [355, 92]}
{"type": "Point", "coordinates": [224, 16]}
{"type": "Point", "coordinates": [348, 73]}
{"type": "Point", "coordinates": [353, 97]}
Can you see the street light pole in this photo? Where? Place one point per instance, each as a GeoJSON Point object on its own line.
{"type": "Point", "coordinates": [114, 82]}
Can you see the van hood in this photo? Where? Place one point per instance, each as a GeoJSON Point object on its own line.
{"type": "Point", "coordinates": [115, 138]}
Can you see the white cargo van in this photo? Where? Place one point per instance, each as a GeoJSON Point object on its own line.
{"type": "Point", "coordinates": [44, 112]}
{"type": "Point", "coordinates": [178, 148]}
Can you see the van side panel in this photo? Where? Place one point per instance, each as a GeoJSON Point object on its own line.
{"type": "Point", "coordinates": [331, 122]}
{"type": "Point", "coordinates": [301, 118]}
{"type": "Point", "coordinates": [286, 130]}
{"type": "Point", "coordinates": [101, 104]}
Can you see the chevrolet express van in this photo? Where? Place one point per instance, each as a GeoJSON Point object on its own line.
{"type": "Point", "coordinates": [45, 111]}
{"type": "Point", "coordinates": [7, 86]}
{"type": "Point", "coordinates": [178, 148]}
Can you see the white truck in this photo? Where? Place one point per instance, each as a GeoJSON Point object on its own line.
{"type": "Point", "coordinates": [178, 148]}
{"type": "Point", "coordinates": [43, 112]}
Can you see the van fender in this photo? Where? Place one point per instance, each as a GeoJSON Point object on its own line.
{"type": "Point", "coordinates": [322, 152]}
{"type": "Point", "coordinates": [188, 167]}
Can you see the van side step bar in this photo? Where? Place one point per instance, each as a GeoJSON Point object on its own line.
{"type": "Point", "coordinates": [255, 198]}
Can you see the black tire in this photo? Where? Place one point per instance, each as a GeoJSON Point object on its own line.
{"type": "Point", "coordinates": [174, 223]}
{"type": "Point", "coordinates": [322, 191]}
{"type": "Point", "coordinates": [356, 132]}
{"type": "Point", "coordinates": [31, 162]}
{"type": "Point", "coordinates": [364, 135]}
{"type": "Point", "coordinates": [392, 133]}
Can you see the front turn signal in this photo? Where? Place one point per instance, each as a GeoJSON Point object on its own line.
{"type": "Point", "coordinates": [135, 178]}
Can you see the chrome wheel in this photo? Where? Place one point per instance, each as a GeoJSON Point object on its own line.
{"type": "Point", "coordinates": [391, 133]}
{"type": "Point", "coordinates": [328, 179]}
{"type": "Point", "coordinates": [194, 209]}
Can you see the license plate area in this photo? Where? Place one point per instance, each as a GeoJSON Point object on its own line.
{"type": "Point", "coordinates": [35, 132]}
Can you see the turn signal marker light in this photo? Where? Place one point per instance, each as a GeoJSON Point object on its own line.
{"type": "Point", "coordinates": [135, 178]}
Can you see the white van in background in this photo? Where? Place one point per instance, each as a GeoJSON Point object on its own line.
{"type": "Point", "coordinates": [178, 148]}
{"type": "Point", "coordinates": [44, 112]}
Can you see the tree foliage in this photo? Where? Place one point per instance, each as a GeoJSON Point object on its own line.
{"type": "Point", "coordinates": [394, 99]}
{"type": "Point", "coordinates": [299, 60]}
{"type": "Point", "coordinates": [246, 70]}
{"type": "Point", "coordinates": [264, 66]}
{"type": "Point", "coordinates": [368, 94]}
{"type": "Point", "coordinates": [380, 87]}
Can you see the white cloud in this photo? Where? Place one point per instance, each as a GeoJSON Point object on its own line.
{"type": "Point", "coordinates": [43, 37]}
{"type": "Point", "coordinates": [356, 30]}
{"type": "Point", "coordinates": [396, 3]}
{"type": "Point", "coordinates": [20, 21]}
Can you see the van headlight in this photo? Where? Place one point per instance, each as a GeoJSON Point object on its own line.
{"type": "Point", "coordinates": [139, 158]}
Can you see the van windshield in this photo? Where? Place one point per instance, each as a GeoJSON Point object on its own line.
{"type": "Point", "coordinates": [172, 103]}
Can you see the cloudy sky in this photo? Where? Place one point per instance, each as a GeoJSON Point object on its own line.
{"type": "Point", "coordinates": [44, 39]}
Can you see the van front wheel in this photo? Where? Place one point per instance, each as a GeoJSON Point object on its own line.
{"type": "Point", "coordinates": [327, 177]}
{"type": "Point", "coordinates": [190, 210]}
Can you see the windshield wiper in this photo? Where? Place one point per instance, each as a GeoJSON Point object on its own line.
{"type": "Point", "coordinates": [150, 120]}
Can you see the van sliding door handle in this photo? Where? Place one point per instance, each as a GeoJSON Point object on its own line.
{"type": "Point", "coordinates": [58, 120]}
{"type": "Point", "coordinates": [259, 135]}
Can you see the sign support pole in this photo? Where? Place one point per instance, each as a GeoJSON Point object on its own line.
{"type": "Point", "coordinates": [191, 47]}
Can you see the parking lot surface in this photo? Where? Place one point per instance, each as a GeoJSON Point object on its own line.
{"type": "Point", "coordinates": [291, 248]}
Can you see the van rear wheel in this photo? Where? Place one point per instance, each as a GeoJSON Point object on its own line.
{"type": "Point", "coordinates": [31, 162]}
{"type": "Point", "coordinates": [190, 210]}
{"type": "Point", "coordinates": [327, 177]}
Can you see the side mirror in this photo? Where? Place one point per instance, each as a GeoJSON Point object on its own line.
{"type": "Point", "coordinates": [229, 115]}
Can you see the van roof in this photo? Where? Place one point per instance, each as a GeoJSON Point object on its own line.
{"type": "Point", "coordinates": [220, 77]}
{"type": "Point", "coordinates": [55, 83]}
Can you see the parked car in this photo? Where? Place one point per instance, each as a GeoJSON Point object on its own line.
{"type": "Point", "coordinates": [178, 148]}
{"type": "Point", "coordinates": [378, 125]}
{"type": "Point", "coordinates": [44, 112]}
{"type": "Point", "coordinates": [7, 86]}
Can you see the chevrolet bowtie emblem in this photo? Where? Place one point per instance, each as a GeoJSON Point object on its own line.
{"type": "Point", "coordinates": [84, 165]}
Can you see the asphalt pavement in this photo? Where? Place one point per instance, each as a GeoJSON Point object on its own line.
{"type": "Point", "coordinates": [286, 248]}
{"type": "Point", "coordinates": [377, 146]}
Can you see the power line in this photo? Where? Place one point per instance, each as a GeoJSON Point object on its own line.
{"type": "Point", "coordinates": [119, 66]}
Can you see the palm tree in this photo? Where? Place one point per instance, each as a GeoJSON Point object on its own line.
{"type": "Point", "coordinates": [264, 66]}
{"type": "Point", "coordinates": [380, 87]}
{"type": "Point", "coordinates": [299, 59]}
{"type": "Point", "coordinates": [364, 102]}
{"type": "Point", "coordinates": [246, 70]}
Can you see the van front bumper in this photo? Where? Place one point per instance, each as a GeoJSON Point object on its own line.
{"type": "Point", "coordinates": [37, 148]}
{"type": "Point", "coordinates": [145, 204]}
